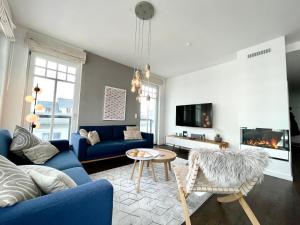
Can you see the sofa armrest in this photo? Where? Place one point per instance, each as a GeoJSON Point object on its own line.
{"type": "Point", "coordinates": [80, 145]}
{"type": "Point", "coordinates": [149, 138]}
{"type": "Point", "coordinates": [90, 203]}
{"type": "Point", "coordinates": [62, 145]}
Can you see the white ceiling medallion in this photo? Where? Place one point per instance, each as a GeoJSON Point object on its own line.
{"type": "Point", "coordinates": [144, 12]}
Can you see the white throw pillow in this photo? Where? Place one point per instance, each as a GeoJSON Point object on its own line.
{"type": "Point", "coordinates": [84, 133]}
{"type": "Point", "coordinates": [48, 179]}
{"type": "Point", "coordinates": [93, 137]}
{"type": "Point", "coordinates": [15, 184]}
{"type": "Point", "coordinates": [132, 135]}
{"type": "Point", "coordinates": [40, 153]}
{"type": "Point", "coordinates": [130, 128]}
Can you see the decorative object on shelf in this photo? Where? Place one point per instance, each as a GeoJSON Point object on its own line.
{"type": "Point", "coordinates": [184, 133]}
{"type": "Point", "coordinates": [144, 12]}
{"type": "Point", "coordinates": [114, 103]}
{"type": "Point", "coordinates": [218, 138]}
{"type": "Point", "coordinates": [32, 118]}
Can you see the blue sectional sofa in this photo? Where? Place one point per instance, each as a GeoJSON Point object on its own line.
{"type": "Point", "coordinates": [112, 142]}
{"type": "Point", "coordinates": [88, 203]}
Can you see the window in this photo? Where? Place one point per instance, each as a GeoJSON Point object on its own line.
{"type": "Point", "coordinates": [148, 110]}
{"type": "Point", "coordinates": [58, 81]}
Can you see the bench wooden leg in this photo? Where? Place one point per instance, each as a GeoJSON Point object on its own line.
{"type": "Point", "coordinates": [248, 211]}
{"type": "Point", "coordinates": [239, 197]}
{"type": "Point", "coordinates": [229, 198]}
{"type": "Point", "coordinates": [184, 207]}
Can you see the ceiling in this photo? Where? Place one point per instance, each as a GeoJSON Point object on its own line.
{"type": "Point", "coordinates": [215, 29]}
{"type": "Point", "coordinates": [293, 69]}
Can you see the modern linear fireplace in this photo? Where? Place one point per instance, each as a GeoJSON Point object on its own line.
{"type": "Point", "coordinates": [265, 138]}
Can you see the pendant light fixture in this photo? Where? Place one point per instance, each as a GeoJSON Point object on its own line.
{"type": "Point", "coordinates": [144, 12]}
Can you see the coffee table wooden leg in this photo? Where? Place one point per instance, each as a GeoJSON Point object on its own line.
{"type": "Point", "coordinates": [170, 167]}
{"type": "Point", "coordinates": [133, 169]}
{"type": "Point", "coordinates": [166, 170]}
{"type": "Point", "coordinates": [140, 175]}
{"type": "Point", "coordinates": [148, 163]}
{"type": "Point", "coordinates": [152, 167]}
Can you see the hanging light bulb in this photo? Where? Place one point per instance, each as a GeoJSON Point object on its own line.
{"type": "Point", "coordinates": [147, 71]}
{"type": "Point", "coordinates": [133, 88]}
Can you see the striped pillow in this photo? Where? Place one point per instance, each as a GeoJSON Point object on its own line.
{"type": "Point", "coordinates": [22, 139]}
{"type": "Point", "coordinates": [15, 185]}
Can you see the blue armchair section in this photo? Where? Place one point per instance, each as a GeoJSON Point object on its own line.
{"type": "Point", "coordinates": [88, 203]}
{"type": "Point", "coordinates": [112, 142]}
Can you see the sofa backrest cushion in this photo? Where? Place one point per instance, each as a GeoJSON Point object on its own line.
{"type": "Point", "coordinates": [118, 132]}
{"type": "Point", "coordinates": [5, 140]}
{"type": "Point", "coordinates": [109, 132]}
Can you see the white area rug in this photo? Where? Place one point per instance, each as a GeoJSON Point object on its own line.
{"type": "Point", "coordinates": [157, 201]}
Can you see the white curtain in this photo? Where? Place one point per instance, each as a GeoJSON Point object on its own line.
{"type": "Point", "coordinates": [6, 22]}
{"type": "Point", "coordinates": [41, 43]}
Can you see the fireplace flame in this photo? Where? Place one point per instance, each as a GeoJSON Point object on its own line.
{"type": "Point", "coordinates": [268, 143]}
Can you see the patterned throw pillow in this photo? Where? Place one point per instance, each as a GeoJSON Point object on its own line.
{"type": "Point", "coordinates": [93, 137]}
{"type": "Point", "coordinates": [15, 184]}
{"type": "Point", "coordinates": [48, 179]}
{"type": "Point", "coordinates": [132, 135]}
{"type": "Point", "coordinates": [84, 133]}
{"type": "Point", "coordinates": [22, 139]}
{"type": "Point", "coordinates": [40, 153]}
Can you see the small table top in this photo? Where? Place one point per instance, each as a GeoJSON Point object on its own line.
{"type": "Point", "coordinates": [152, 152]}
{"type": "Point", "coordinates": [164, 155]}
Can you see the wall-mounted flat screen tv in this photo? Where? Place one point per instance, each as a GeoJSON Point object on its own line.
{"type": "Point", "coordinates": [198, 115]}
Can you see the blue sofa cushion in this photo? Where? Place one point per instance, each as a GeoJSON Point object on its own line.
{"type": "Point", "coordinates": [5, 140]}
{"type": "Point", "coordinates": [78, 174]}
{"type": "Point", "coordinates": [106, 148]}
{"type": "Point", "coordinates": [135, 143]}
{"type": "Point", "coordinates": [118, 133]}
{"type": "Point", "coordinates": [63, 160]}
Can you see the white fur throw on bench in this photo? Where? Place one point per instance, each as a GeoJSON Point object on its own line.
{"type": "Point", "coordinates": [230, 168]}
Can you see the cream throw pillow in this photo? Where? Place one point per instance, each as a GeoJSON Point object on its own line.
{"type": "Point", "coordinates": [40, 153]}
{"type": "Point", "coordinates": [132, 128]}
{"type": "Point", "coordinates": [48, 179]}
{"type": "Point", "coordinates": [93, 137]}
{"type": "Point", "coordinates": [132, 135]}
{"type": "Point", "coordinates": [84, 133]}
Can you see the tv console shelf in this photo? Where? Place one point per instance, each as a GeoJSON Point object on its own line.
{"type": "Point", "coordinates": [190, 143]}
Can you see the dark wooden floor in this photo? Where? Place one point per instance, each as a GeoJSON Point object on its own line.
{"type": "Point", "coordinates": [274, 202]}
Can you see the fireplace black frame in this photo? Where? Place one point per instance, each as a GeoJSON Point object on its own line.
{"type": "Point", "coordinates": [261, 133]}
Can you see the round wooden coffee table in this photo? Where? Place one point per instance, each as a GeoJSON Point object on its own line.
{"type": "Point", "coordinates": [165, 157]}
{"type": "Point", "coordinates": [153, 153]}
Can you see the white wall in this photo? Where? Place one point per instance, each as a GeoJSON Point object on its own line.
{"type": "Point", "coordinates": [215, 85]}
{"type": "Point", "coordinates": [4, 59]}
{"type": "Point", "coordinates": [264, 87]}
{"type": "Point", "coordinates": [14, 95]}
{"type": "Point", "coordinates": [244, 92]}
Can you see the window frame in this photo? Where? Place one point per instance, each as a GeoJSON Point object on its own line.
{"type": "Point", "coordinates": [77, 87]}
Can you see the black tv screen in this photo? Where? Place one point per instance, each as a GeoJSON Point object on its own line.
{"type": "Point", "coordinates": [198, 115]}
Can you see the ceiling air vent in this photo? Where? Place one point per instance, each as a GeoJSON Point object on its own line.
{"type": "Point", "coordinates": [262, 52]}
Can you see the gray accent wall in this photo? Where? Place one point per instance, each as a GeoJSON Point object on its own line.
{"type": "Point", "coordinates": [97, 73]}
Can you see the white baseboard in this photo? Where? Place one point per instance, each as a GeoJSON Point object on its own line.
{"type": "Point", "coordinates": [279, 175]}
